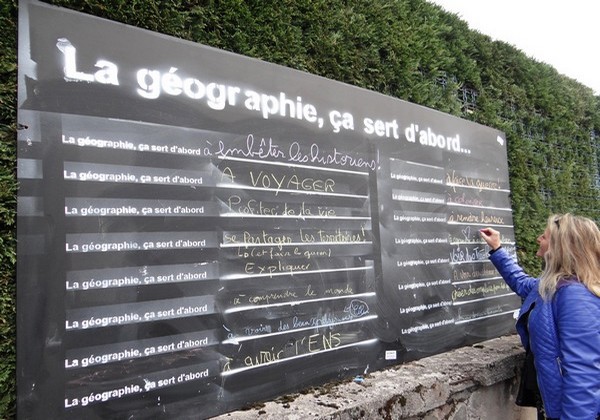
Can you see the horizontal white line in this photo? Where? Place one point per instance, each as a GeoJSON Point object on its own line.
{"type": "Point", "coordinates": [293, 273]}
{"type": "Point", "coordinates": [485, 317]}
{"type": "Point", "coordinates": [477, 280]}
{"type": "Point", "coordinates": [478, 243]}
{"type": "Point", "coordinates": [482, 299]}
{"type": "Point", "coordinates": [294, 165]}
{"type": "Point", "coordinates": [295, 302]}
{"type": "Point", "coordinates": [277, 191]}
{"type": "Point", "coordinates": [476, 188]}
{"type": "Point", "coordinates": [478, 224]}
{"type": "Point", "coordinates": [281, 245]}
{"type": "Point", "coordinates": [238, 340]}
{"type": "Point", "coordinates": [288, 216]}
{"type": "Point", "coordinates": [468, 262]}
{"type": "Point", "coordinates": [450, 204]}
{"type": "Point", "coordinates": [416, 163]}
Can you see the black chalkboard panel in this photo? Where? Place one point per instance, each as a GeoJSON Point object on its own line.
{"type": "Point", "coordinates": [199, 230]}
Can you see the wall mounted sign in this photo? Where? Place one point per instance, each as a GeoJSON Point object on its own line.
{"type": "Point", "coordinates": [198, 230]}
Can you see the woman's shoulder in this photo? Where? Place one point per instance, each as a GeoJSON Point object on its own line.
{"type": "Point", "coordinates": [572, 293]}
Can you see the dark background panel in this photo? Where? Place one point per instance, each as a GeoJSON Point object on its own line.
{"type": "Point", "coordinates": [273, 169]}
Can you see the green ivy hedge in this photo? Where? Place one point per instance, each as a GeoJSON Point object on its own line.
{"type": "Point", "coordinates": [8, 200]}
{"type": "Point", "coordinates": [409, 49]}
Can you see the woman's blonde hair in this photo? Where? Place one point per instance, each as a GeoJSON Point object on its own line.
{"type": "Point", "coordinates": [573, 251]}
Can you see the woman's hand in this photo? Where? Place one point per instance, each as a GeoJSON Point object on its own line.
{"type": "Point", "coordinates": [492, 237]}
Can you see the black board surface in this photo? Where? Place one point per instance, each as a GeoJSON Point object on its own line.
{"type": "Point", "coordinates": [198, 230]}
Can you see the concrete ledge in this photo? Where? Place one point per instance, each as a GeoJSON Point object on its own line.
{"type": "Point", "coordinates": [479, 381]}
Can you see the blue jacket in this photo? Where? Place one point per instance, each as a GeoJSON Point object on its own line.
{"type": "Point", "coordinates": [564, 337]}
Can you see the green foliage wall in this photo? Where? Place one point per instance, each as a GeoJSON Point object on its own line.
{"type": "Point", "coordinates": [8, 199]}
{"type": "Point", "coordinates": [409, 49]}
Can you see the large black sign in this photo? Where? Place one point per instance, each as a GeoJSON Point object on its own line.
{"type": "Point", "coordinates": [200, 230]}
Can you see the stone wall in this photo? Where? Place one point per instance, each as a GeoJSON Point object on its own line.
{"type": "Point", "coordinates": [476, 382]}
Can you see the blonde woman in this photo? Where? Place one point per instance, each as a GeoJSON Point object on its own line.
{"type": "Point", "coordinates": [559, 321]}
